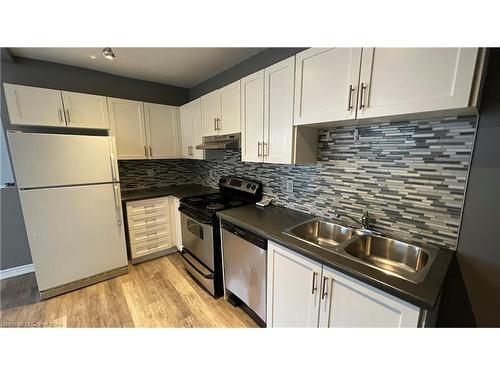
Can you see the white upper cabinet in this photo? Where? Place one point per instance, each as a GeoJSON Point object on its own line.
{"type": "Point", "coordinates": [129, 128]}
{"type": "Point", "coordinates": [346, 302]}
{"type": "Point", "coordinates": [397, 81]}
{"type": "Point", "coordinates": [85, 111]}
{"type": "Point", "coordinates": [252, 117]}
{"type": "Point", "coordinates": [195, 108]}
{"type": "Point", "coordinates": [191, 130]}
{"type": "Point", "coordinates": [45, 107]}
{"type": "Point", "coordinates": [326, 83]}
{"type": "Point", "coordinates": [210, 109]}
{"type": "Point", "coordinates": [144, 130]}
{"type": "Point", "coordinates": [293, 289]}
{"type": "Point", "coordinates": [34, 106]}
{"type": "Point", "coordinates": [278, 108]}
{"type": "Point", "coordinates": [221, 110]}
{"type": "Point", "coordinates": [162, 124]}
{"type": "Point", "coordinates": [229, 121]}
{"type": "Point", "coordinates": [267, 131]}
{"type": "Point", "coordinates": [186, 131]}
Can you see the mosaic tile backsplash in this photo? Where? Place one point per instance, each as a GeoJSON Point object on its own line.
{"type": "Point", "coordinates": [410, 176]}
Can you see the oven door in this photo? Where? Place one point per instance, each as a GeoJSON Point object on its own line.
{"type": "Point", "coordinates": [198, 238]}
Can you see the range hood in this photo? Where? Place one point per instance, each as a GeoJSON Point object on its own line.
{"type": "Point", "coordinates": [220, 142]}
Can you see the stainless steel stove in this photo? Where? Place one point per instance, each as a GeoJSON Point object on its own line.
{"type": "Point", "coordinates": [201, 241]}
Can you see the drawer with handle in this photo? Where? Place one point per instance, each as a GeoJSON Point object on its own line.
{"type": "Point", "coordinates": [143, 222]}
{"type": "Point", "coordinates": [147, 207]}
{"type": "Point", "coordinates": [149, 234]}
{"type": "Point", "coordinates": [147, 247]}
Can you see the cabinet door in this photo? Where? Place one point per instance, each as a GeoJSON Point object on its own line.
{"type": "Point", "coordinates": [326, 82]}
{"type": "Point", "coordinates": [230, 109]}
{"type": "Point", "coordinates": [128, 127]}
{"type": "Point", "coordinates": [85, 111]}
{"type": "Point", "coordinates": [34, 106]}
{"type": "Point", "coordinates": [409, 80]}
{"type": "Point", "coordinates": [163, 130]}
{"type": "Point", "coordinates": [292, 289]}
{"type": "Point", "coordinates": [186, 131]}
{"type": "Point", "coordinates": [347, 302]}
{"type": "Point", "coordinates": [278, 109]}
{"type": "Point", "coordinates": [197, 128]}
{"type": "Point", "coordinates": [252, 117]}
{"type": "Point", "coordinates": [210, 109]}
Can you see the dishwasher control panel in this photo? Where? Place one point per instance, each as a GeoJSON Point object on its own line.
{"type": "Point", "coordinates": [245, 234]}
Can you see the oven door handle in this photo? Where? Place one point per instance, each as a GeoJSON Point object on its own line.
{"type": "Point", "coordinates": [210, 276]}
{"type": "Point", "coordinates": [190, 213]}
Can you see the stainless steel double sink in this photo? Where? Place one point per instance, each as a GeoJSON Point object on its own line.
{"type": "Point", "coordinates": [391, 256]}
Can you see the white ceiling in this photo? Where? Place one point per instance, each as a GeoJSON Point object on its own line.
{"type": "Point", "coordinates": [184, 67]}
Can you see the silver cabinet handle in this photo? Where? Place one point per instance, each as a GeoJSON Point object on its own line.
{"type": "Point", "coordinates": [215, 124]}
{"type": "Point", "coordinates": [265, 148]}
{"type": "Point", "coordinates": [150, 151]}
{"type": "Point", "coordinates": [68, 120]}
{"type": "Point", "coordinates": [258, 149]}
{"type": "Point", "coordinates": [59, 113]}
{"type": "Point", "coordinates": [324, 287]}
{"type": "Point", "coordinates": [349, 101]}
{"type": "Point", "coordinates": [314, 286]}
{"type": "Point", "coordinates": [145, 151]}
{"type": "Point", "coordinates": [218, 124]}
{"type": "Point", "coordinates": [362, 95]}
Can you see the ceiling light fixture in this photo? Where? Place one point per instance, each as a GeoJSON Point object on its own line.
{"type": "Point", "coordinates": [93, 57]}
{"type": "Point", "coordinates": [108, 53]}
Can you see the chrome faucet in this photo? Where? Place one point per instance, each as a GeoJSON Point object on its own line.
{"type": "Point", "coordinates": [364, 222]}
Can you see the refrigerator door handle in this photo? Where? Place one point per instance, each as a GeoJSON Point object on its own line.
{"type": "Point", "coordinates": [117, 205]}
{"type": "Point", "coordinates": [113, 172]}
{"type": "Point", "coordinates": [112, 159]}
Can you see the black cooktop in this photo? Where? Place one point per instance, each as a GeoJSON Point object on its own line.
{"type": "Point", "coordinates": [233, 192]}
{"type": "Point", "coordinates": [211, 203]}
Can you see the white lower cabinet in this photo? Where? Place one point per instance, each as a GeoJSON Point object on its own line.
{"type": "Point", "coordinates": [303, 293]}
{"type": "Point", "coordinates": [292, 288]}
{"type": "Point", "coordinates": [150, 228]}
{"type": "Point", "coordinates": [347, 302]}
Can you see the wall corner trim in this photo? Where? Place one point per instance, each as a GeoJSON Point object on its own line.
{"type": "Point", "coordinates": [16, 271]}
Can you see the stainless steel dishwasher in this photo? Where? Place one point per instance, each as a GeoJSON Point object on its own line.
{"type": "Point", "coordinates": [245, 266]}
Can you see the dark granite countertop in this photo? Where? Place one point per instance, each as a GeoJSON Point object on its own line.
{"type": "Point", "coordinates": [271, 221]}
{"type": "Point", "coordinates": [179, 191]}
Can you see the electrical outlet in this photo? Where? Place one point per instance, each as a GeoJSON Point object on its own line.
{"type": "Point", "coordinates": [151, 172]}
{"type": "Point", "coordinates": [289, 186]}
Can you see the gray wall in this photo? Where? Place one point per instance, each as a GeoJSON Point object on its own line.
{"type": "Point", "coordinates": [14, 248]}
{"type": "Point", "coordinates": [5, 169]}
{"type": "Point", "coordinates": [251, 65]}
{"type": "Point", "coordinates": [64, 77]}
{"type": "Point", "coordinates": [479, 243]}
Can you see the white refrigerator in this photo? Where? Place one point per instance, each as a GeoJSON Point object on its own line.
{"type": "Point", "coordinates": [70, 198]}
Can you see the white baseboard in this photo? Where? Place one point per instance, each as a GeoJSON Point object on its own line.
{"type": "Point", "coordinates": [16, 271]}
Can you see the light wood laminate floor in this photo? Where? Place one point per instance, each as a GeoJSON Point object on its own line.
{"type": "Point", "coordinates": [157, 293]}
